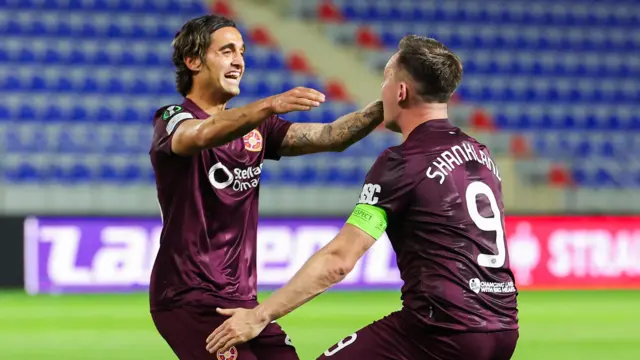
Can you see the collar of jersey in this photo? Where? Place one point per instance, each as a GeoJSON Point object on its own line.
{"type": "Point", "coordinates": [437, 124]}
{"type": "Point", "coordinates": [194, 109]}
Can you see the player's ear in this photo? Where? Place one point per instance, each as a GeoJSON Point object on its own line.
{"type": "Point", "coordinates": [193, 63]}
{"type": "Point", "coordinates": [403, 93]}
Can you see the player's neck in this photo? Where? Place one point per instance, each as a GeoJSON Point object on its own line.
{"type": "Point", "coordinates": [207, 101]}
{"type": "Point", "coordinates": [411, 118]}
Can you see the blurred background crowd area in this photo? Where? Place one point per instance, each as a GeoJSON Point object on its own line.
{"type": "Point", "coordinates": [550, 86]}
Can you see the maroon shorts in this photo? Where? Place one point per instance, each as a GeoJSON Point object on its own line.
{"type": "Point", "coordinates": [186, 329]}
{"type": "Point", "coordinates": [400, 336]}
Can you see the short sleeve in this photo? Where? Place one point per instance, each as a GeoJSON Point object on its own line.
{"type": "Point", "coordinates": [387, 185]}
{"type": "Point", "coordinates": [165, 122]}
{"type": "Point", "coordinates": [275, 129]}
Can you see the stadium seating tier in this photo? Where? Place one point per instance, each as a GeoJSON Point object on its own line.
{"type": "Point", "coordinates": [81, 79]}
{"type": "Point", "coordinates": [559, 78]}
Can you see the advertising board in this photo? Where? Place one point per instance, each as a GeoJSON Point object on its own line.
{"type": "Point", "coordinates": [116, 254]}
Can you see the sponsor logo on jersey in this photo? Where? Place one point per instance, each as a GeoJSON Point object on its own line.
{"type": "Point", "coordinates": [231, 354]}
{"type": "Point", "coordinates": [239, 179]}
{"type": "Point", "coordinates": [478, 286]}
{"type": "Point", "coordinates": [253, 141]}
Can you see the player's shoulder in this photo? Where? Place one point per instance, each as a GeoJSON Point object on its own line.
{"type": "Point", "coordinates": [474, 141]}
{"type": "Point", "coordinates": [390, 164]}
{"type": "Point", "coordinates": [169, 116]}
{"type": "Point", "coordinates": [392, 156]}
{"type": "Point", "coordinates": [171, 111]}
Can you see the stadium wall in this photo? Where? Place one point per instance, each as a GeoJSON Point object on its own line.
{"type": "Point", "coordinates": [115, 254]}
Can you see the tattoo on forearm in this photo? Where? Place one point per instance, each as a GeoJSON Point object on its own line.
{"type": "Point", "coordinates": [336, 136]}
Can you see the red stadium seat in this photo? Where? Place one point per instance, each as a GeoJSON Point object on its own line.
{"type": "Point", "coordinates": [519, 146]}
{"type": "Point", "coordinates": [335, 90]}
{"type": "Point", "coordinates": [261, 36]}
{"type": "Point", "coordinates": [559, 176]}
{"type": "Point", "coordinates": [298, 63]}
{"type": "Point", "coordinates": [329, 13]}
{"type": "Point", "coordinates": [480, 120]}
{"type": "Point", "coordinates": [367, 38]}
{"type": "Point", "coordinates": [221, 7]}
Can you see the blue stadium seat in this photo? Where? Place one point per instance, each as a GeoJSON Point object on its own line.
{"type": "Point", "coordinates": [23, 173]}
{"type": "Point", "coordinates": [108, 173]}
{"type": "Point", "coordinates": [288, 176]}
{"type": "Point", "coordinates": [80, 173]}
{"type": "Point", "coordinates": [132, 173]}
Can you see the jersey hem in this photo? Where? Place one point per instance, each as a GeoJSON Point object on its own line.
{"type": "Point", "coordinates": [200, 298]}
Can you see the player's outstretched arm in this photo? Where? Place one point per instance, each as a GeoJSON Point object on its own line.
{"type": "Point", "coordinates": [337, 136]}
{"type": "Point", "coordinates": [194, 136]}
{"type": "Point", "coordinates": [325, 268]}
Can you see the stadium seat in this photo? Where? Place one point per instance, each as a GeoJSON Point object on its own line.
{"type": "Point", "coordinates": [336, 91]}
{"type": "Point", "coordinates": [367, 39]}
{"type": "Point", "coordinates": [221, 7]}
{"type": "Point", "coordinates": [261, 36]}
{"type": "Point", "coordinates": [559, 176]}
{"type": "Point", "coordinates": [328, 12]}
{"type": "Point", "coordinates": [298, 63]}
{"type": "Point", "coordinates": [24, 173]}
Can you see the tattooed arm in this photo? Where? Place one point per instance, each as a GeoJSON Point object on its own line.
{"type": "Point", "coordinates": [337, 136]}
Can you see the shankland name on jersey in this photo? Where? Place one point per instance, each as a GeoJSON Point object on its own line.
{"type": "Point", "coordinates": [239, 179]}
{"type": "Point", "coordinates": [455, 156]}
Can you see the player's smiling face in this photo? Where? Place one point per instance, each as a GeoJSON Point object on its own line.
{"type": "Point", "coordinates": [394, 92]}
{"type": "Point", "coordinates": [224, 62]}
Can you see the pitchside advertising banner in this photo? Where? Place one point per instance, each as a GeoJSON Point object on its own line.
{"type": "Point", "coordinates": [116, 255]}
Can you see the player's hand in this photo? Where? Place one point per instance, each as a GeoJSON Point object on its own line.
{"type": "Point", "coordinates": [242, 326]}
{"type": "Point", "coordinates": [297, 99]}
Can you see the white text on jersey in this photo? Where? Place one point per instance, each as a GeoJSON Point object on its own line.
{"type": "Point", "coordinates": [242, 179]}
{"type": "Point", "coordinates": [368, 194]}
{"type": "Point", "coordinates": [450, 159]}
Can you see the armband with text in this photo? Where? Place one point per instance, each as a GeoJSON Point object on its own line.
{"type": "Point", "coordinates": [370, 219]}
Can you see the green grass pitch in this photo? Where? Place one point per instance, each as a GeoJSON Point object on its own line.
{"type": "Point", "coordinates": [554, 325]}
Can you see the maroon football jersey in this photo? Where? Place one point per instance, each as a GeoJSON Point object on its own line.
{"type": "Point", "coordinates": [209, 204]}
{"type": "Point", "coordinates": [442, 194]}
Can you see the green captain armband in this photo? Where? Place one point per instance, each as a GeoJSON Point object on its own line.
{"type": "Point", "coordinates": [370, 219]}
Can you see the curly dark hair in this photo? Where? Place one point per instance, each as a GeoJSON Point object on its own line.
{"type": "Point", "coordinates": [193, 40]}
{"type": "Point", "coordinates": [436, 70]}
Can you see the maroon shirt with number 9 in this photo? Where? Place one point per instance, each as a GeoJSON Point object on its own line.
{"type": "Point", "coordinates": [443, 197]}
{"type": "Point", "coordinates": [209, 205]}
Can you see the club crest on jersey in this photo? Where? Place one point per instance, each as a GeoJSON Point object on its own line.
{"type": "Point", "coordinates": [231, 354]}
{"type": "Point", "coordinates": [474, 285]}
{"type": "Point", "coordinates": [253, 141]}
